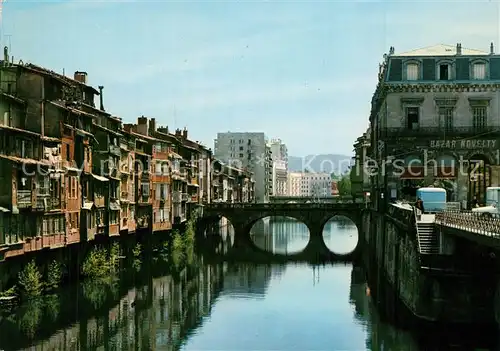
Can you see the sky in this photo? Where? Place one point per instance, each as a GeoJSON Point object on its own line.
{"type": "Point", "coordinates": [301, 71]}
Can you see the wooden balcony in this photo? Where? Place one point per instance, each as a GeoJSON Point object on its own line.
{"type": "Point", "coordinates": [24, 199]}
{"type": "Point", "coordinates": [161, 226]}
{"type": "Point", "coordinates": [99, 201]}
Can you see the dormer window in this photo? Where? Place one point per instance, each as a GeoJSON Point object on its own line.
{"type": "Point", "coordinates": [479, 71]}
{"type": "Point", "coordinates": [444, 71]}
{"type": "Point", "coordinates": [412, 71]}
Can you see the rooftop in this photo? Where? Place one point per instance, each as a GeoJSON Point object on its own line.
{"type": "Point", "coordinates": [442, 50]}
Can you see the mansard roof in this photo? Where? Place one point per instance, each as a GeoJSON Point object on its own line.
{"type": "Point", "coordinates": [441, 50]}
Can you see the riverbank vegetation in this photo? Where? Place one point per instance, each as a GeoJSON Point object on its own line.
{"type": "Point", "coordinates": [103, 264]}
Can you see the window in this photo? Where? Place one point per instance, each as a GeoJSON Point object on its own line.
{"type": "Point", "coordinates": [241, 148]}
{"type": "Point", "coordinates": [446, 118]}
{"type": "Point", "coordinates": [113, 217]}
{"type": "Point", "coordinates": [412, 71]}
{"type": "Point", "coordinates": [444, 72]}
{"type": "Point", "coordinates": [479, 117]}
{"type": "Point", "coordinates": [157, 192]}
{"type": "Point", "coordinates": [412, 117]}
{"type": "Point", "coordinates": [73, 186]}
{"type": "Point", "coordinates": [158, 168]}
{"type": "Point", "coordinates": [68, 156]}
{"type": "Point", "coordinates": [479, 70]}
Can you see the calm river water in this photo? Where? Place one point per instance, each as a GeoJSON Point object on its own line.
{"type": "Point", "coordinates": [220, 307]}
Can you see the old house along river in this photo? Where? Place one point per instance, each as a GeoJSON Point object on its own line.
{"type": "Point", "coordinates": [222, 306]}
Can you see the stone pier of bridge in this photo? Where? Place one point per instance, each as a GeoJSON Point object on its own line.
{"type": "Point", "coordinates": [314, 216]}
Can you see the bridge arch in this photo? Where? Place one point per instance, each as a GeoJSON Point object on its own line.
{"type": "Point", "coordinates": [314, 216]}
{"type": "Point", "coordinates": [341, 238]}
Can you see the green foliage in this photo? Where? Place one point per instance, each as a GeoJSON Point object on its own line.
{"type": "Point", "coordinates": [94, 291]}
{"type": "Point", "coordinates": [177, 249]}
{"type": "Point", "coordinates": [31, 316]}
{"type": "Point", "coordinates": [114, 257]}
{"type": "Point", "coordinates": [54, 276]}
{"type": "Point", "coordinates": [96, 264]}
{"type": "Point", "coordinates": [137, 256]}
{"type": "Point", "coordinates": [344, 185]}
{"type": "Point", "coordinates": [52, 306]}
{"type": "Point", "coordinates": [10, 292]}
{"type": "Point", "coordinates": [30, 281]}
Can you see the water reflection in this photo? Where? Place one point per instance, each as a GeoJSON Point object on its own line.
{"type": "Point", "coordinates": [212, 307]}
{"type": "Point", "coordinates": [219, 236]}
{"type": "Point", "coordinates": [340, 235]}
{"type": "Point", "coordinates": [280, 235]}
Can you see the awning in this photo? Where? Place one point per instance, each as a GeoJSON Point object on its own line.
{"type": "Point", "coordinates": [114, 206]}
{"type": "Point", "coordinates": [413, 172]}
{"type": "Point", "coordinates": [174, 155]}
{"type": "Point", "coordinates": [87, 205]}
{"type": "Point", "coordinates": [72, 169]}
{"type": "Point", "coordinates": [99, 178]}
{"type": "Point", "coordinates": [4, 210]}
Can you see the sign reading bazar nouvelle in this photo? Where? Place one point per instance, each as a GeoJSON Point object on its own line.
{"type": "Point", "coordinates": [463, 144]}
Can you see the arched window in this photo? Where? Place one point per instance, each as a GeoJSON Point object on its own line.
{"type": "Point", "coordinates": [479, 69]}
{"type": "Point", "coordinates": [412, 70]}
{"type": "Point", "coordinates": [479, 177]}
{"type": "Point", "coordinates": [444, 70]}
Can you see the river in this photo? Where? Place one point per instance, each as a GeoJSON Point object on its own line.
{"type": "Point", "coordinates": [221, 306]}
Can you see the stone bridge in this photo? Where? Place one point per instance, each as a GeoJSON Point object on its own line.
{"type": "Point", "coordinates": [308, 199]}
{"type": "Point", "coordinates": [313, 215]}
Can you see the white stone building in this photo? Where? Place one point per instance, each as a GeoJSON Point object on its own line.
{"type": "Point", "coordinates": [309, 184]}
{"type": "Point", "coordinates": [248, 151]}
{"type": "Point", "coordinates": [279, 155]}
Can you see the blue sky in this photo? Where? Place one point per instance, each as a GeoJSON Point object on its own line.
{"type": "Point", "coordinates": [301, 71]}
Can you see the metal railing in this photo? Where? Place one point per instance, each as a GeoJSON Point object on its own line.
{"type": "Point", "coordinates": [487, 224]}
{"type": "Point", "coordinates": [437, 131]}
{"type": "Point", "coordinates": [23, 198]}
{"type": "Point", "coordinates": [278, 206]}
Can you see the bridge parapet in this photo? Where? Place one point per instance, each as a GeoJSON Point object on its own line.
{"type": "Point", "coordinates": [283, 206]}
{"type": "Point", "coordinates": [485, 224]}
{"type": "Point", "coordinates": [308, 199]}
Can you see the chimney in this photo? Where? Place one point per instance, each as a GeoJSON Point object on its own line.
{"type": "Point", "coordinates": [185, 133]}
{"type": "Point", "coordinates": [101, 107]}
{"type": "Point", "coordinates": [459, 49]}
{"type": "Point", "coordinates": [152, 126]}
{"type": "Point", "coordinates": [177, 132]}
{"type": "Point", "coordinates": [127, 127]}
{"type": "Point", "coordinates": [163, 129]}
{"type": "Point", "coordinates": [6, 55]}
{"type": "Point", "coordinates": [142, 125]}
{"type": "Point", "coordinates": [492, 49]}
{"type": "Point", "coordinates": [81, 77]}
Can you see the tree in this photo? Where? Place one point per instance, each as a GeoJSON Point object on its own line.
{"type": "Point", "coordinates": [344, 185]}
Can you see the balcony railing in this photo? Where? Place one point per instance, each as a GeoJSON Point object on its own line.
{"type": "Point", "coordinates": [23, 198]}
{"type": "Point", "coordinates": [115, 150]}
{"type": "Point", "coordinates": [437, 131]}
{"type": "Point", "coordinates": [176, 196]}
{"type": "Point", "coordinates": [184, 197]}
{"type": "Point", "coordinates": [47, 203]}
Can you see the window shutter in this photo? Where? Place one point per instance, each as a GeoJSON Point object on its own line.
{"type": "Point", "coordinates": [462, 65]}
{"type": "Point", "coordinates": [495, 68]}
{"type": "Point", "coordinates": [429, 69]}
{"type": "Point", "coordinates": [396, 70]}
